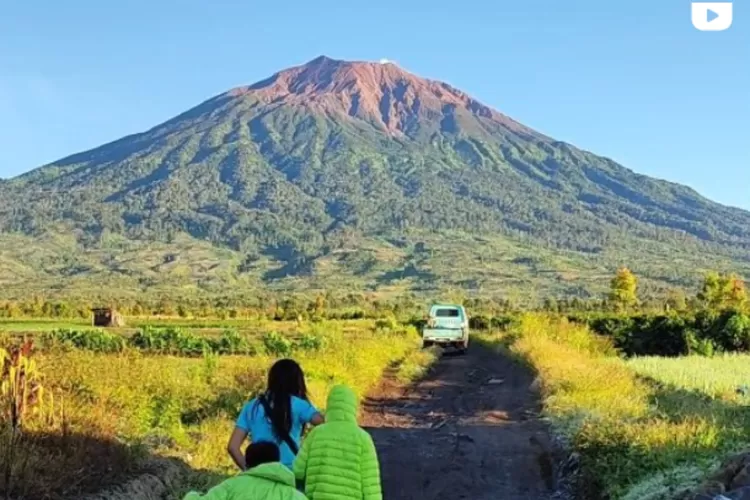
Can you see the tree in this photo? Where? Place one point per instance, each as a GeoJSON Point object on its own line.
{"type": "Point", "coordinates": [319, 305]}
{"type": "Point", "coordinates": [722, 291]}
{"type": "Point", "coordinates": [623, 289]}
{"type": "Point", "coordinates": [676, 300]}
{"type": "Point", "coordinates": [182, 311]}
{"type": "Point", "coordinates": [137, 309]}
{"type": "Point", "coordinates": [550, 304]}
{"type": "Point", "coordinates": [737, 293]}
{"type": "Point", "coordinates": [711, 293]}
{"type": "Point", "coordinates": [165, 308]}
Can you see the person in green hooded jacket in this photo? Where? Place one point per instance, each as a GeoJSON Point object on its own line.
{"type": "Point", "coordinates": [338, 459]}
{"type": "Point", "coordinates": [265, 478]}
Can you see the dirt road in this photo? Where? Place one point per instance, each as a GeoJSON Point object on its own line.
{"type": "Point", "coordinates": [469, 430]}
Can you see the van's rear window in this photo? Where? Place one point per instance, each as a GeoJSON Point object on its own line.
{"type": "Point", "coordinates": [446, 313]}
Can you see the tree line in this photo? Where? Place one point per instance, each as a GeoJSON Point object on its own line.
{"type": "Point", "coordinates": [715, 319]}
{"type": "Point", "coordinates": [718, 292]}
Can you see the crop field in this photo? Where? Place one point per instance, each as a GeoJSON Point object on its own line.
{"type": "Point", "coordinates": [718, 377]}
{"type": "Point", "coordinates": [647, 428]}
{"type": "Point", "coordinates": [117, 403]}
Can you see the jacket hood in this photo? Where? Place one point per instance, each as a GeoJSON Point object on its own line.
{"type": "Point", "coordinates": [342, 405]}
{"type": "Point", "coordinates": [276, 472]}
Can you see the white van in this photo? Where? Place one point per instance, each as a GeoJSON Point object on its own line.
{"type": "Point", "coordinates": [447, 325]}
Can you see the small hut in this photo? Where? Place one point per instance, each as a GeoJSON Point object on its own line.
{"type": "Point", "coordinates": [106, 316]}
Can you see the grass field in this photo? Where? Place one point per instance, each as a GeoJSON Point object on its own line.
{"type": "Point", "coordinates": [646, 429]}
{"type": "Point", "coordinates": [111, 412]}
{"type": "Point", "coordinates": [718, 377]}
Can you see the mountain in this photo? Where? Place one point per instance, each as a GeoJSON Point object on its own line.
{"type": "Point", "coordinates": [352, 175]}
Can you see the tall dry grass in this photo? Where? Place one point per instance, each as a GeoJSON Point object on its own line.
{"type": "Point", "coordinates": [629, 431]}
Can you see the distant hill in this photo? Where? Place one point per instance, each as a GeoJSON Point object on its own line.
{"type": "Point", "coordinates": [352, 175]}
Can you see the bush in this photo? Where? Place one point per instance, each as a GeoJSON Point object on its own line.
{"type": "Point", "coordinates": [502, 322]}
{"type": "Point", "coordinates": [351, 314]}
{"type": "Point", "coordinates": [479, 323]}
{"type": "Point", "coordinates": [659, 336]}
{"type": "Point", "coordinates": [310, 342]}
{"type": "Point", "coordinates": [705, 333]}
{"type": "Point", "coordinates": [169, 341]}
{"type": "Point", "coordinates": [417, 322]}
{"type": "Point", "coordinates": [90, 340]}
{"type": "Point", "coordinates": [410, 331]}
{"type": "Point", "coordinates": [698, 345]}
{"type": "Point", "coordinates": [733, 331]}
{"type": "Point", "coordinates": [390, 323]}
{"type": "Point", "coordinates": [612, 326]}
{"type": "Point", "coordinates": [647, 335]}
{"type": "Point", "coordinates": [231, 342]}
{"type": "Point", "coordinates": [277, 345]}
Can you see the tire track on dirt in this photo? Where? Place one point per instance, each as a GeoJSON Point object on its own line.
{"type": "Point", "coordinates": [468, 430]}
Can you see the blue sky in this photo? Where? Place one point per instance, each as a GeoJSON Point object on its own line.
{"type": "Point", "coordinates": [628, 79]}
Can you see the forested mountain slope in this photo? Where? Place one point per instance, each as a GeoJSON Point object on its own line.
{"type": "Point", "coordinates": [360, 173]}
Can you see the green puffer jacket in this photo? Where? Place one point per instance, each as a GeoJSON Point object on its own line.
{"type": "Point", "coordinates": [338, 460]}
{"type": "Point", "coordinates": [272, 481]}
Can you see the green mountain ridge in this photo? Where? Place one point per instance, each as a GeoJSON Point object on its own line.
{"type": "Point", "coordinates": [352, 175]}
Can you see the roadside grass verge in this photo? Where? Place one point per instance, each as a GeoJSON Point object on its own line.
{"type": "Point", "coordinates": [417, 364]}
{"type": "Point", "coordinates": [645, 438]}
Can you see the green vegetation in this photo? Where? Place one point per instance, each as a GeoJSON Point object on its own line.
{"type": "Point", "coordinates": [112, 410]}
{"type": "Point", "coordinates": [175, 341]}
{"type": "Point", "coordinates": [623, 294]}
{"type": "Point", "coordinates": [718, 377]}
{"type": "Point", "coordinates": [718, 321]}
{"type": "Point", "coordinates": [704, 332]}
{"type": "Point", "coordinates": [179, 342]}
{"type": "Point", "coordinates": [90, 340]}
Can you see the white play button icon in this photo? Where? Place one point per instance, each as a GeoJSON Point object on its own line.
{"type": "Point", "coordinates": [712, 16]}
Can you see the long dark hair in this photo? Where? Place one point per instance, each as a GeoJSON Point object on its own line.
{"type": "Point", "coordinates": [260, 453]}
{"type": "Point", "coordinates": [285, 379]}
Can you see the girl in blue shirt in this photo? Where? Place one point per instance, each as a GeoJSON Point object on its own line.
{"type": "Point", "coordinates": [279, 415]}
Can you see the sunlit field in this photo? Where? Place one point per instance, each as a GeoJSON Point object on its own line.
{"type": "Point", "coordinates": [117, 410]}
{"type": "Point", "coordinates": [718, 377]}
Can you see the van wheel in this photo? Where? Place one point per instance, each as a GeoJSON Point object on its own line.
{"type": "Point", "coordinates": [426, 344]}
{"type": "Point", "coordinates": [463, 347]}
